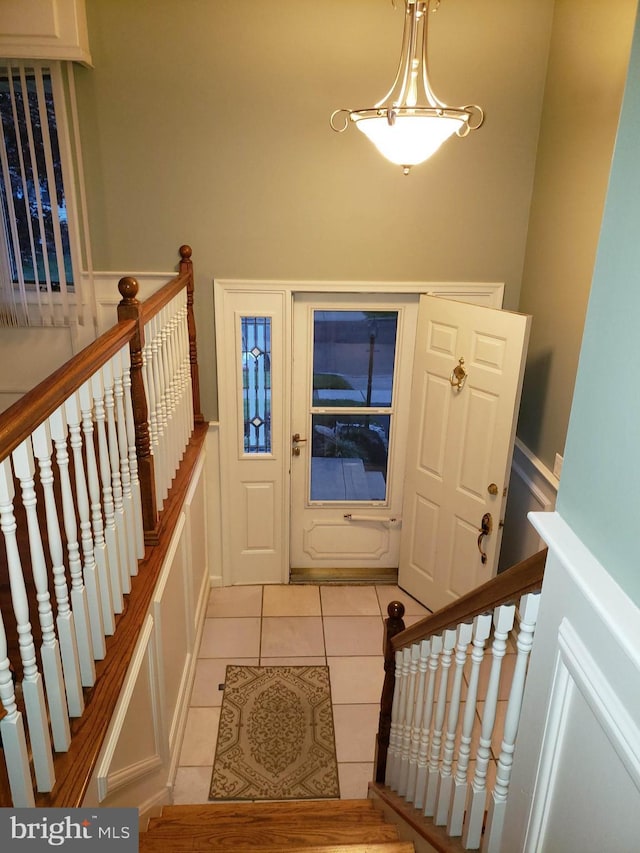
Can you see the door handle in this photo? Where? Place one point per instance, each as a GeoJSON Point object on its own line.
{"type": "Point", "coordinates": [486, 527]}
{"type": "Point", "coordinates": [296, 440]}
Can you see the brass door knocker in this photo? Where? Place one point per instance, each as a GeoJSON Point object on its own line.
{"type": "Point", "coordinates": [458, 375]}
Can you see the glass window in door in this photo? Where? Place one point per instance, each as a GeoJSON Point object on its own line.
{"type": "Point", "coordinates": [351, 409]}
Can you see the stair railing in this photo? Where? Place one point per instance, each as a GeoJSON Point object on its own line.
{"type": "Point", "coordinates": [438, 747]}
{"type": "Point", "coordinates": [82, 483]}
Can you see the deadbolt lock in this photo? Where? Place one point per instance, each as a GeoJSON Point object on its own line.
{"type": "Point", "coordinates": [492, 489]}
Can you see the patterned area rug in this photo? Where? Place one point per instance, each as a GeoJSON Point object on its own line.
{"type": "Point", "coordinates": [276, 738]}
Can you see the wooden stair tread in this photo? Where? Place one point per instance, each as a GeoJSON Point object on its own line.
{"type": "Point", "coordinates": [295, 826]}
{"type": "Point", "coordinates": [156, 845]}
{"type": "Point", "coordinates": [233, 836]}
{"type": "Point", "coordinates": [267, 810]}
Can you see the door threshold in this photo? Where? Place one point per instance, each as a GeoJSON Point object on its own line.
{"type": "Point", "coordinates": [344, 576]}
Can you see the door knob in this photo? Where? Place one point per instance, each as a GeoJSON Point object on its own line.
{"type": "Point", "coordinates": [486, 526]}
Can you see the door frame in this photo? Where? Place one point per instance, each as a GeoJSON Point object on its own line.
{"type": "Point", "coordinates": [490, 294]}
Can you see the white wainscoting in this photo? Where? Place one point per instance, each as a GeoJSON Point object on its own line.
{"type": "Point", "coordinates": [576, 773]}
{"type": "Point", "coordinates": [532, 488]}
{"type": "Point", "coordinates": [140, 755]}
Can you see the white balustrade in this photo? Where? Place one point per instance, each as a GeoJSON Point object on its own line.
{"type": "Point", "coordinates": [465, 631]}
{"type": "Point", "coordinates": [89, 570]}
{"type": "Point", "coordinates": [528, 612]}
{"type": "Point", "coordinates": [416, 730]}
{"type": "Point", "coordinates": [433, 776]}
{"type": "Point", "coordinates": [398, 712]}
{"type": "Point", "coordinates": [150, 391]}
{"type": "Point", "coordinates": [111, 538]}
{"type": "Point", "coordinates": [32, 687]}
{"type": "Point", "coordinates": [41, 439]}
{"type": "Point", "coordinates": [481, 631]}
{"type": "Point", "coordinates": [100, 553]}
{"type": "Point", "coordinates": [24, 469]}
{"type": "Point", "coordinates": [408, 720]}
{"type": "Point", "coordinates": [435, 648]}
{"type": "Point", "coordinates": [128, 508]}
{"type": "Point", "coordinates": [14, 742]}
{"type": "Point", "coordinates": [131, 450]}
{"type": "Point", "coordinates": [474, 817]}
{"type": "Point", "coordinates": [116, 477]}
{"type": "Point", "coordinates": [79, 605]}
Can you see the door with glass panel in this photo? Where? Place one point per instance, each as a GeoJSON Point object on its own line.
{"type": "Point", "coordinates": [350, 409]}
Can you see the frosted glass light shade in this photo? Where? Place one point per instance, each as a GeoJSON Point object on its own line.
{"type": "Point", "coordinates": [410, 139]}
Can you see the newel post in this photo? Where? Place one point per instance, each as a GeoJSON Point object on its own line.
{"type": "Point", "coordinates": [392, 626]}
{"type": "Point", "coordinates": [186, 267]}
{"type": "Point", "coordinates": [129, 309]}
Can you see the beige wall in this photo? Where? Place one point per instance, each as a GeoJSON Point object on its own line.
{"type": "Point", "coordinates": [588, 61]}
{"type": "Point", "coordinates": [207, 122]}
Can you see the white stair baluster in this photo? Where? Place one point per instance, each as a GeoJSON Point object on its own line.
{"type": "Point", "coordinates": [166, 396]}
{"type": "Point", "coordinates": [100, 552]}
{"type": "Point", "coordinates": [416, 730]}
{"type": "Point", "coordinates": [125, 474]}
{"type": "Point", "coordinates": [32, 687]}
{"type": "Point", "coordinates": [116, 478]}
{"type": "Point", "coordinates": [79, 606]}
{"type": "Point", "coordinates": [481, 631]}
{"type": "Point", "coordinates": [159, 450]}
{"type": "Point", "coordinates": [176, 449]}
{"type": "Point", "coordinates": [409, 719]}
{"type": "Point", "coordinates": [150, 391]}
{"type": "Point", "coordinates": [433, 776]}
{"type": "Point", "coordinates": [185, 372]}
{"type": "Point", "coordinates": [528, 612]}
{"type": "Point", "coordinates": [14, 742]}
{"type": "Point", "coordinates": [89, 571]}
{"type": "Point", "coordinates": [24, 468]}
{"type": "Point", "coordinates": [186, 368]}
{"type": "Point", "coordinates": [435, 648]}
{"type": "Point", "coordinates": [65, 623]}
{"type": "Point", "coordinates": [133, 456]}
{"type": "Point", "coordinates": [110, 531]}
{"type": "Point", "coordinates": [393, 727]}
{"type": "Point", "coordinates": [474, 818]}
{"type": "Point", "coordinates": [397, 720]}
{"type": "Point", "coordinates": [465, 631]}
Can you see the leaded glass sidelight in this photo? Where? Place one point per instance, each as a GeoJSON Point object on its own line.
{"type": "Point", "coordinates": [256, 383]}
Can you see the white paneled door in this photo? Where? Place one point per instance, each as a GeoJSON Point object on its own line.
{"type": "Point", "coordinates": [467, 379]}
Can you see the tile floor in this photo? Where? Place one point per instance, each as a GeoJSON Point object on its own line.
{"type": "Point", "coordinates": [338, 626]}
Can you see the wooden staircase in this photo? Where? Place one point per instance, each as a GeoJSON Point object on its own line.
{"type": "Point", "coordinates": [315, 826]}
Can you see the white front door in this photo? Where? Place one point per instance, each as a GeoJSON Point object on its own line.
{"type": "Point", "coordinates": [467, 379]}
{"type": "Point", "coordinates": [352, 358]}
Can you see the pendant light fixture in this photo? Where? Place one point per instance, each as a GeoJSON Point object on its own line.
{"type": "Point", "coordinates": [410, 123]}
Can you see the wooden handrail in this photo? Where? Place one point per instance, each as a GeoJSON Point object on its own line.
{"type": "Point", "coordinates": [20, 419]}
{"type": "Point", "coordinates": [157, 301]}
{"type": "Point", "coordinates": [510, 585]}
